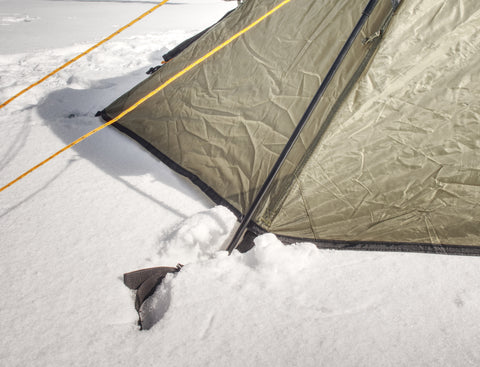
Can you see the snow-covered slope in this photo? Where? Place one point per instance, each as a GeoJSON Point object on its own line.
{"type": "Point", "coordinates": [71, 229]}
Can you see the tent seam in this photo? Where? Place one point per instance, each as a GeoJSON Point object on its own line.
{"type": "Point", "coordinates": [305, 205]}
{"type": "Point", "coordinates": [286, 188]}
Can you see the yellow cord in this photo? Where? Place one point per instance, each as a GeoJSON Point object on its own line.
{"type": "Point", "coordinates": [82, 54]}
{"type": "Point", "coordinates": [152, 93]}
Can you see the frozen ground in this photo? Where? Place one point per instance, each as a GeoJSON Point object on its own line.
{"type": "Point", "coordinates": [71, 229]}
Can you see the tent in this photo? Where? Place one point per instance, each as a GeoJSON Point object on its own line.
{"type": "Point", "coordinates": [390, 156]}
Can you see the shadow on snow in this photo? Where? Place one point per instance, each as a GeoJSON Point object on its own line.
{"type": "Point", "coordinates": [70, 113]}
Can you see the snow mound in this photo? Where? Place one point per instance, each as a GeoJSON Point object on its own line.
{"type": "Point", "coordinates": [268, 267]}
{"type": "Point", "coordinates": [198, 237]}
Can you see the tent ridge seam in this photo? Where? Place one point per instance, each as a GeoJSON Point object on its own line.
{"type": "Point", "coordinates": [286, 187]}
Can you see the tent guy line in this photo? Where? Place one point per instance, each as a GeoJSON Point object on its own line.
{"type": "Point", "coordinates": [152, 93]}
{"type": "Point", "coordinates": [83, 53]}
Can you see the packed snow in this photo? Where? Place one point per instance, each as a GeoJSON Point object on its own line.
{"type": "Point", "coordinates": [71, 229]}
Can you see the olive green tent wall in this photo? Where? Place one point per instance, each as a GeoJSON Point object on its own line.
{"type": "Point", "coordinates": [389, 158]}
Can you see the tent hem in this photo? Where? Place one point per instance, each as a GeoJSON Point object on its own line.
{"type": "Point", "coordinates": [320, 243]}
{"type": "Point", "coordinates": [386, 246]}
{"type": "Point", "coordinates": [211, 193]}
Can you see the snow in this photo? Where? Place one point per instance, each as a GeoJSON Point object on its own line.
{"type": "Point", "coordinates": [72, 228]}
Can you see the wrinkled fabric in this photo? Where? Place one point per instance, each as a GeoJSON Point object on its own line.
{"type": "Point", "coordinates": [401, 160]}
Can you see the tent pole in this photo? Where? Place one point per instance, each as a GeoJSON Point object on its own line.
{"type": "Point", "coordinates": [298, 129]}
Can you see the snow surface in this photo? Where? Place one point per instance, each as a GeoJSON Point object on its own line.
{"type": "Point", "coordinates": [71, 229]}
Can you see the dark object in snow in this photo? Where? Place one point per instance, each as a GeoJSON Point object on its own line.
{"type": "Point", "coordinates": [145, 281]}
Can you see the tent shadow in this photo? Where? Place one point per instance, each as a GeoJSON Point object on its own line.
{"type": "Point", "coordinates": [16, 144]}
{"type": "Point", "coordinates": [70, 113]}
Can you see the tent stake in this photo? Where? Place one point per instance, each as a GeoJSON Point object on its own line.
{"type": "Point", "coordinates": [298, 129]}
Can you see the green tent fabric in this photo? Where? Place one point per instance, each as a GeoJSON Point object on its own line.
{"type": "Point", "coordinates": [390, 158]}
